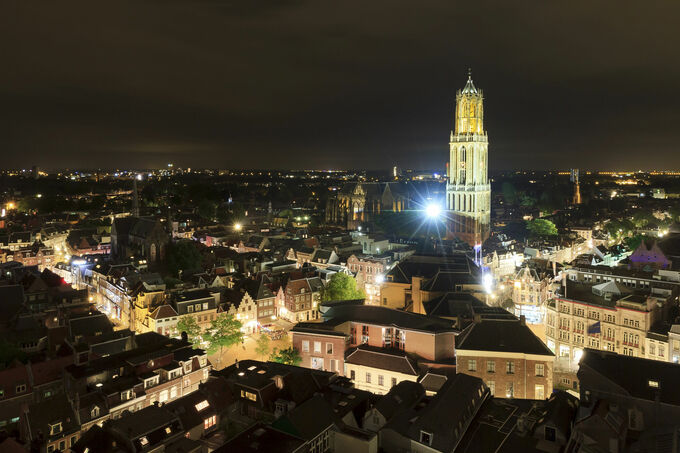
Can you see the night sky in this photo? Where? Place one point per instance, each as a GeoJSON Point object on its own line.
{"type": "Point", "coordinates": [349, 84]}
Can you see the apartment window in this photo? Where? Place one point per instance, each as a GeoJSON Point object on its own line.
{"type": "Point", "coordinates": [329, 348]}
{"type": "Point", "coordinates": [652, 349]}
{"type": "Point", "coordinates": [62, 445]}
{"type": "Point", "coordinates": [364, 334]}
{"type": "Point", "coordinates": [21, 388]}
{"type": "Point", "coordinates": [209, 422]}
{"type": "Point", "coordinates": [205, 306]}
{"type": "Point", "coordinates": [472, 365]}
{"type": "Point", "coordinates": [510, 390]}
{"type": "Point", "coordinates": [197, 307]}
{"type": "Point", "coordinates": [510, 367]}
{"type": "Point", "coordinates": [352, 375]}
{"type": "Point", "coordinates": [190, 309]}
{"type": "Point", "coordinates": [492, 387]}
{"type": "Point", "coordinates": [187, 382]}
{"type": "Point", "coordinates": [394, 381]}
{"type": "Point", "coordinates": [368, 378]}
{"type": "Point", "coordinates": [381, 380]}
{"type": "Point", "coordinates": [94, 413]}
{"type": "Point", "coordinates": [490, 366]}
{"type": "Point", "coordinates": [305, 346]}
{"type": "Point", "coordinates": [540, 369]}
{"type": "Point", "coordinates": [173, 392]}
{"type": "Point", "coordinates": [248, 395]}
{"type": "Point", "coordinates": [539, 392]}
{"type": "Point", "coordinates": [163, 397]}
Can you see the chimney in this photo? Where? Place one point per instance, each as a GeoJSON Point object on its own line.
{"type": "Point", "coordinates": [522, 320]}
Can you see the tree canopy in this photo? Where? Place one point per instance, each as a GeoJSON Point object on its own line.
{"type": "Point", "coordinates": [262, 345]}
{"type": "Point", "coordinates": [189, 325]}
{"type": "Point", "coordinates": [542, 227]}
{"type": "Point", "coordinates": [183, 256]}
{"type": "Point", "coordinates": [224, 332]}
{"type": "Point", "coordinates": [288, 356]}
{"type": "Point", "coordinates": [342, 287]}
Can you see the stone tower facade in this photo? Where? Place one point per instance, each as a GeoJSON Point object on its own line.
{"type": "Point", "coordinates": [468, 192]}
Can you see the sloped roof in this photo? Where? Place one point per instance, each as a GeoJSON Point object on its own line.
{"type": "Point", "coordinates": [11, 301]}
{"type": "Point", "coordinates": [633, 374]}
{"type": "Point", "coordinates": [309, 419]}
{"type": "Point", "coordinates": [163, 312]}
{"type": "Point", "coordinates": [501, 335]}
{"type": "Point", "coordinates": [370, 314]}
{"type": "Point", "coordinates": [403, 395]}
{"type": "Point", "coordinates": [383, 359]}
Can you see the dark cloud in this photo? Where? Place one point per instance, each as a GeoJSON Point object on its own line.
{"type": "Point", "coordinates": [349, 84]}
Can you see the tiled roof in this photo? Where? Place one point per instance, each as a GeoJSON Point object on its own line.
{"type": "Point", "coordinates": [383, 359]}
{"type": "Point", "coordinates": [163, 312]}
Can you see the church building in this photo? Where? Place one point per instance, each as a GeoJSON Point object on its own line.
{"type": "Point", "coordinates": [468, 192]}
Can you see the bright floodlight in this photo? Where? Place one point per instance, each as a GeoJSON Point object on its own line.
{"type": "Point", "coordinates": [433, 210]}
{"type": "Point", "coordinates": [487, 281]}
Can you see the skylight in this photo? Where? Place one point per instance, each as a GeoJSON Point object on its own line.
{"type": "Point", "coordinates": [202, 405]}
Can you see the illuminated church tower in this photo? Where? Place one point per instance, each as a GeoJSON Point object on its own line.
{"type": "Point", "coordinates": [468, 193]}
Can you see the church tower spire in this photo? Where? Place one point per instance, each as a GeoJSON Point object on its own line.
{"type": "Point", "coordinates": [468, 191]}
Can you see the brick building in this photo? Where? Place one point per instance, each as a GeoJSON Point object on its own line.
{"type": "Point", "coordinates": [377, 343]}
{"type": "Point", "coordinates": [508, 357]}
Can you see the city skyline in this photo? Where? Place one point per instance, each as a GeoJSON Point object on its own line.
{"type": "Point", "coordinates": [304, 85]}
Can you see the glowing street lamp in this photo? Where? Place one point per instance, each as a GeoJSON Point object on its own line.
{"type": "Point", "coordinates": [238, 226]}
{"type": "Point", "coordinates": [433, 211]}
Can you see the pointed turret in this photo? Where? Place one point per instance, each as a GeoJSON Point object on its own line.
{"type": "Point", "coordinates": [469, 86]}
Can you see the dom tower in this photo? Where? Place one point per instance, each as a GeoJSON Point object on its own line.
{"type": "Point", "coordinates": [468, 193]}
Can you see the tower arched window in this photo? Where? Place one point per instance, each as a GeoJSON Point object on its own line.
{"type": "Point", "coordinates": [463, 155]}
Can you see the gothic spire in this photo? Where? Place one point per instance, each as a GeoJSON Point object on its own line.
{"type": "Point", "coordinates": [469, 86]}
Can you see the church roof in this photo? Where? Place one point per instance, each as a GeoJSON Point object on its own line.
{"type": "Point", "coordinates": [469, 86]}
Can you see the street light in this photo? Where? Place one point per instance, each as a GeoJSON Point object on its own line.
{"type": "Point", "coordinates": [238, 226]}
{"type": "Point", "coordinates": [433, 211]}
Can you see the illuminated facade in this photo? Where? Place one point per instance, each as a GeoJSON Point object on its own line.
{"type": "Point", "coordinates": [468, 192]}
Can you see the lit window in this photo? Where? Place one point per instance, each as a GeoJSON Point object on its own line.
{"type": "Point", "coordinates": [202, 405]}
{"type": "Point", "coordinates": [472, 365]}
{"type": "Point", "coordinates": [144, 441]}
{"type": "Point", "coordinates": [209, 422]}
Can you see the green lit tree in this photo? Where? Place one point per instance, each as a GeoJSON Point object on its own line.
{"type": "Point", "coordinates": [262, 346]}
{"type": "Point", "coordinates": [288, 356]}
{"type": "Point", "coordinates": [342, 287]}
{"type": "Point", "coordinates": [542, 227]}
{"type": "Point", "coordinates": [224, 332]}
{"type": "Point", "coordinates": [189, 325]}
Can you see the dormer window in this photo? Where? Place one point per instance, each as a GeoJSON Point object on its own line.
{"type": "Point", "coordinates": [426, 438]}
{"type": "Point", "coordinates": [150, 382]}
{"type": "Point", "coordinates": [94, 413]}
{"type": "Point", "coordinates": [55, 428]}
